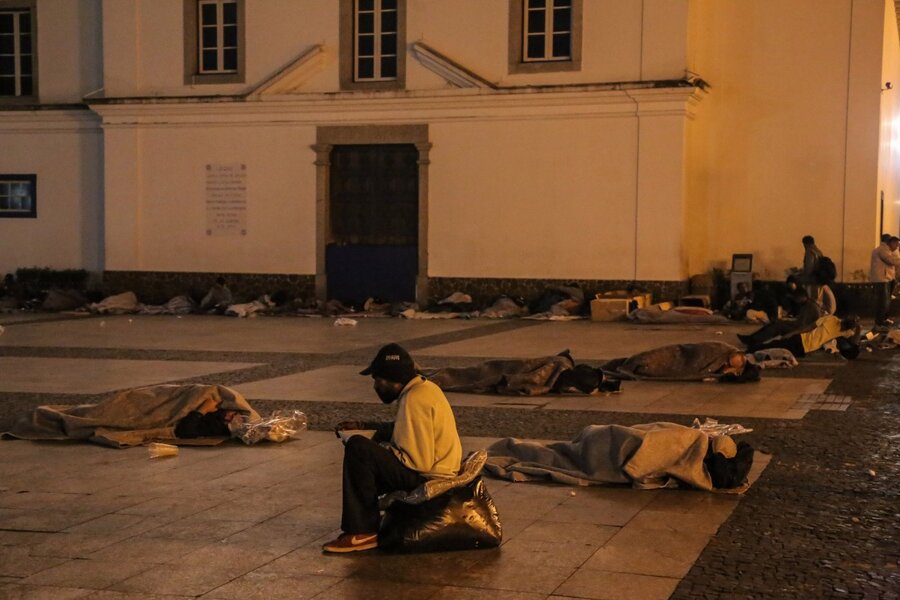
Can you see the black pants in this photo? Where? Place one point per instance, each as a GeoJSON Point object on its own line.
{"type": "Point", "coordinates": [369, 471]}
{"type": "Point", "coordinates": [769, 331]}
{"type": "Point", "coordinates": [883, 302]}
{"type": "Point", "coordinates": [793, 343]}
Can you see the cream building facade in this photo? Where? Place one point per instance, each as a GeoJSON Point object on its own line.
{"type": "Point", "coordinates": [599, 141]}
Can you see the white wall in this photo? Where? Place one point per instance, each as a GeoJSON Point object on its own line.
{"type": "Point", "coordinates": [548, 198]}
{"type": "Point", "coordinates": [889, 148]}
{"type": "Point", "coordinates": [63, 148]}
{"type": "Point", "coordinates": [557, 185]}
{"type": "Point", "coordinates": [155, 186]}
{"type": "Point", "coordinates": [861, 191]}
{"type": "Point", "coordinates": [779, 148]}
{"type": "Point", "coordinates": [591, 198]}
{"type": "Point", "coordinates": [623, 40]}
{"type": "Point", "coordinates": [571, 186]}
{"type": "Point", "coordinates": [69, 49]}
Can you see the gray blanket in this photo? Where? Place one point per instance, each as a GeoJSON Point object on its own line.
{"type": "Point", "coordinates": [677, 362]}
{"type": "Point", "coordinates": [528, 377]}
{"type": "Point", "coordinates": [127, 418]}
{"type": "Point", "coordinates": [648, 456]}
{"type": "Point", "coordinates": [654, 316]}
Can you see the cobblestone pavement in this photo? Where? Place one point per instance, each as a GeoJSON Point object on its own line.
{"type": "Point", "coordinates": [821, 522]}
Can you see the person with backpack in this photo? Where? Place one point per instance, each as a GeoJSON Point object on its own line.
{"type": "Point", "coordinates": [811, 257]}
{"type": "Point", "coordinates": [883, 270]}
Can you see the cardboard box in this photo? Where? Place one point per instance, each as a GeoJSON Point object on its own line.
{"type": "Point", "coordinates": [615, 305]}
{"type": "Point", "coordinates": [644, 300]}
{"type": "Point", "coordinates": [609, 309]}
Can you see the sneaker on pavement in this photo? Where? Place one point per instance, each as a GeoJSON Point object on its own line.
{"type": "Point", "coordinates": [352, 542]}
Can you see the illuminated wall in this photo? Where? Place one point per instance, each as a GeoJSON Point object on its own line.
{"type": "Point", "coordinates": [580, 174]}
{"type": "Point", "coordinates": [786, 142]}
{"type": "Point", "coordinates": [61, 144]}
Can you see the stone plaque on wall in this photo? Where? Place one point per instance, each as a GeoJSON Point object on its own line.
{"type": "Point", "coordinates": [226, 199]}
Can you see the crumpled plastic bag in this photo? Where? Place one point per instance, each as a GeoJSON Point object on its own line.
{"type": "Point", "coordinates": [277, 427]}
{"type": "Point", "coordinates": [470, 469]}
{"type": "Point", "coordinates": [159, 450]}
{"type": "Point", "coordinates": [462, 518]}
{"type": "Point", "coordinates": [713, 428]}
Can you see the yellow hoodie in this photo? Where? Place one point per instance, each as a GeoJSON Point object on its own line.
{"type": "Point", "coordinates": [425, 437]}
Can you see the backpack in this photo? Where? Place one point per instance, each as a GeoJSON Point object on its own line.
{"type": "Point", "coordinates": [826, 271]}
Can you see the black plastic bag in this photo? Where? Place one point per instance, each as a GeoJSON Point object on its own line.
{"type": "Point", "coordinates": [463, 518]}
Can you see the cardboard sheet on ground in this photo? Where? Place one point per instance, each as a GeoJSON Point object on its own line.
{"type": "Point", "coordinates": [129, 418]}
{"type": "Point", "coordinates": [647, 456]}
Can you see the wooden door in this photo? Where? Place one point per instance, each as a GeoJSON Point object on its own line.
{"type": "Point", "coordinates": [372, 248]}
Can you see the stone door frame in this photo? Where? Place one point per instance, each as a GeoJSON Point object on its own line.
{"type": "Point", "coordinates": [329, 136]}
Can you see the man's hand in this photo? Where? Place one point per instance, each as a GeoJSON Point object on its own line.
{"type": "Point", "coordinates": [345, 425]}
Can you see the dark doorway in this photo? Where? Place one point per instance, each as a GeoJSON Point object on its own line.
{"type": "Point", "coordinates": [372, 246]}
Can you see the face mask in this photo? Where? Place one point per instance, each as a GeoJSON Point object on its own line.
{"type": "Point", "coordinates": [387, 395]}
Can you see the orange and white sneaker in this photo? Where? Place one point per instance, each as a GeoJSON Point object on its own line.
{"type": "Point", "coordinates": [352, 542]}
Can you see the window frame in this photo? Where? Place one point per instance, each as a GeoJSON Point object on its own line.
{"type": "Point", "coordinates": [349, 45]}
{"type": "Point", "coordinates": [517, 46]}
{"type": "Point", "coordinates": [21, 178]}
{"type": "Point", "coordinates": [193, 74]}
{"type": "Point", "coordinates": [31, 7]}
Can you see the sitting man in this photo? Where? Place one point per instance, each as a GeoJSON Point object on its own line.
{"type": "Point", "coordinates": [826, 300]}
{"type": "Point", "coordinates": [421, 443]}
{"type": "Point", "coordinates": [218, 297]}
{"type": "Point", "coordinates": [736, 308]}
{"type": "Point", "coordinates": [812, 338]}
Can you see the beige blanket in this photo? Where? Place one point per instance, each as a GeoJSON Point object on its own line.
{"type": "Point", "coordinates": [127, 418]}
{"type": "Point", "coordinates": [648, 456]}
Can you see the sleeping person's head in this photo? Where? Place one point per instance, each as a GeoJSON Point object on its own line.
{"type": "Point", "coordinates": [580, 379]}
{"type": "Point", "coordinates": [749, 374]}
{"type": "Point", "coordinates": [738, 369]}
{"type": "Point", "coordinates": [729, 471]}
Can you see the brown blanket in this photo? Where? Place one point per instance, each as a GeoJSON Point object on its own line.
{"type": "Point", "coordinates": [127, 418]}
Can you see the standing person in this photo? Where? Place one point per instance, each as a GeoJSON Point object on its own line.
{"type": "Point", "coordinates": [896, 253]}
{"type": "Point", "coordinates": [421, 444]}
{"type": "Point", "coordinates": [811, 256]}
{"type": "Point", "coordinates": [883, 271]}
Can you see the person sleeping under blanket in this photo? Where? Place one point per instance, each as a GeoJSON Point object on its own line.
{"type": "Point", "coordinates": [646, 456]}
{"type": "Point", "coordinates": [525, 377]}
{"type": "Point", "coordinates": [207, 420]}
{"type": "Point", "coordinates": [702, 361]}
{"type": "Point", "coordinates": [136, 416]}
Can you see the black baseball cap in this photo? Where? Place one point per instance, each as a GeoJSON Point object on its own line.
{"type": "Point", "coordinates": [392, 363]}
